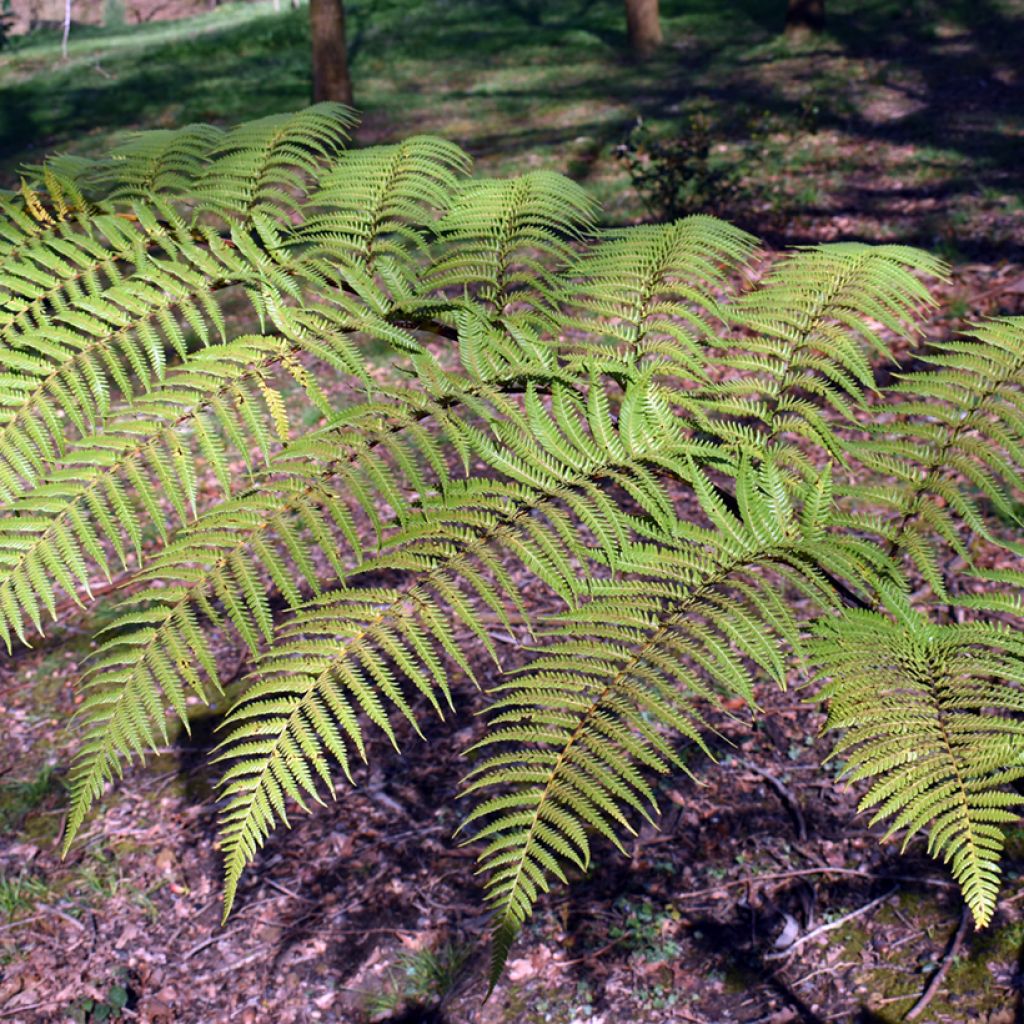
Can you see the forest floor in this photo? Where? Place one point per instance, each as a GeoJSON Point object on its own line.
{"type": "Point", "coordinates": [764, 898]}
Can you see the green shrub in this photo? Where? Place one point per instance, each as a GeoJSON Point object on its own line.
{"type": "Point", "coordinates": [679, 174]}
{"type": "Point", "coordinates": [708, 484]}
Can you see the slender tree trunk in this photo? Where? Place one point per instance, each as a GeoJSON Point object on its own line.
{"type": "Point", "coordinates": [644, 27]}
{"type": "Point", "coordinates": [67, 30]}
{"type": "Point", "coordinates": [331, 79]}
{"type": "Point", "coordinates": [804, 17]}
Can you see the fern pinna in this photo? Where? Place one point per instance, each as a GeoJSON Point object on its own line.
{"type": "Point", "coordinates": [337, 402]}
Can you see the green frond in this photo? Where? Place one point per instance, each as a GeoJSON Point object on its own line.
{"type": "Point", "coordinates": [632, 666]}
{"type": "Point", "coordinates": [506, 238]}
{"type": "Point", "coordinates": [161, 162]}
{"type": "Point", "coordinates": [649, 291]}
{"type": "Point", "coordinates": [340, 649]}
{"type": "Point", "coordinates": [218, 568]}
{"type": "Point", "coordinates": [193, 402]}
{"type": "Point", "coordinates": [221, 404]}
{"type": "Point", "coordinates": [376, 206]}
{"type": "Point", "coordinates": [931, 714]}
{"type": "Point", "coordinates": [809, 328]}
{"type": "Point", "coordinates": [214, 572]}
{"type": "Point", "coordinates": [952, 440]}
{"type": "Point", "coordinates": [265, 166]}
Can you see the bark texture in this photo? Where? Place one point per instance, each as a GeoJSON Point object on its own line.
{"type": "Point", "coordinates": [331, 80]}
{"type": "Point", "coordinates": [644, 27]}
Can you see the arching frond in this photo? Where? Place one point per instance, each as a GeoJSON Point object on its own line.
{"type": "Point", "coordinates": [381, 202]}
{"type": "Point", "coordinates": [340, 655]}
{"type": "Point", "coordinates": [265, 166]}
{"type": "Point", "coordinates": [949, 439]}
{"type": "Point", "coordinates": [808, 331]}
{"type": "Point", "coordinates": [333, 413]}
{"type": "Point", "coordinates": [693, 621]}
{"type": "Point", "coordinates": [506, 238]}
{"type": "Point", "coordinates": [651, 291]}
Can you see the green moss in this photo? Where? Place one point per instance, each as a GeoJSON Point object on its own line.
{"type": "Point", "coordinates": [738, 979]}
{"type": "Point", "coordinates": [853, 938]}
{"type": "Point", "coordinates": [18, 799]}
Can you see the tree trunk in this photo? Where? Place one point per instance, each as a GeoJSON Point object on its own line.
{"type": "Point", "coordinates": [67, 30]}
{"type": "Point", "coordinates": [644, 27]}
{"type": "Point", "coordinates": [804, 17]}
{"type": "Point", "coordinates": [331, 79]}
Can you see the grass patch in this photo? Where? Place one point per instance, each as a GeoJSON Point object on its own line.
{"type": "Point", "coordinates": [902, 116]}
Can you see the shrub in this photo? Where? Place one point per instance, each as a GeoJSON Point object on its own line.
{"type": "Point", "coordinates": [709, 484]}
{"type": "Point", "coordinates": [680, 174]}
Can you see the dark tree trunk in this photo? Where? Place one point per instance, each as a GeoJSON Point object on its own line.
{"type": "Point", "coordinates": [644, 27]}
{"type": "Point", "coordinates": [804, 17]}
{"type": "Point", "coordinates": [331, 79]}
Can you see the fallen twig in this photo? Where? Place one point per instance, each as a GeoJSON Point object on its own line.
{"type": "Point", "coordinates": [785, 795]}
{"type": "Point", "coordinates": [831, 926]}
{"type": "Point", "coordinates": [775, 876]}
{"type": "Point", "coordinates": [63, 916]}
{"type": "Point", "coordinates": [935, 982]}
{"type": "Point", "coordinates": [212, 940]}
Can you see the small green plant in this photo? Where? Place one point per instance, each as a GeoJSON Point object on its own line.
{"type": "Point", "coordinates": [18, 798]}
{"type": "Point", "coordinates": [679, 174]}
{"type": "Point", "coordinates": [89, 1010]}
{"type": "Point", "coordinates": [20, 893]}
{"type": "Point", "coordinates": [646, 930]}
{"type": "Point", "coordinates": [423, 976]}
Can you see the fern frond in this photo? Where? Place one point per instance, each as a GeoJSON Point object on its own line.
{"type": "Point", "coordinates": [308, 501]}
{"type": "Point", "coordinates": [551, 462]}
{"type": "Point", "coordinates": [952, 438]}
{"type": "Point", "coordinates": [505, 238]}
{"type": "Point", "coordinates": [108, 486]}
{"type": "Point", "coordinates": [807, 332]}
{"type": "Point", "coordinates": [690, 623]}
{"type": "Point", "coordinates": [268, 165]}
{"type": "Point", "coordinates": [931, 713]}
{"type": "Point", "coordinates": [599, 417]}
{"type": "Point", "coordinates": [160, 162]}
{"type": "Point", "coordinates": [376, 204]}
{"type": "Point", "coordinates": [649, 289]}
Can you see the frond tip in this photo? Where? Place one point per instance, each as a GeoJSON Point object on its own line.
{"type": "Point", "coordinates": [931, 714]}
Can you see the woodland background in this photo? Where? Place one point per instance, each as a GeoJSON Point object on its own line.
{"type": "Point", "coordinates": [902, 121]}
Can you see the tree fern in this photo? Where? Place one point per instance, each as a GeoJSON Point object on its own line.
{"type": "Point", "coordinates": [330, 408]}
